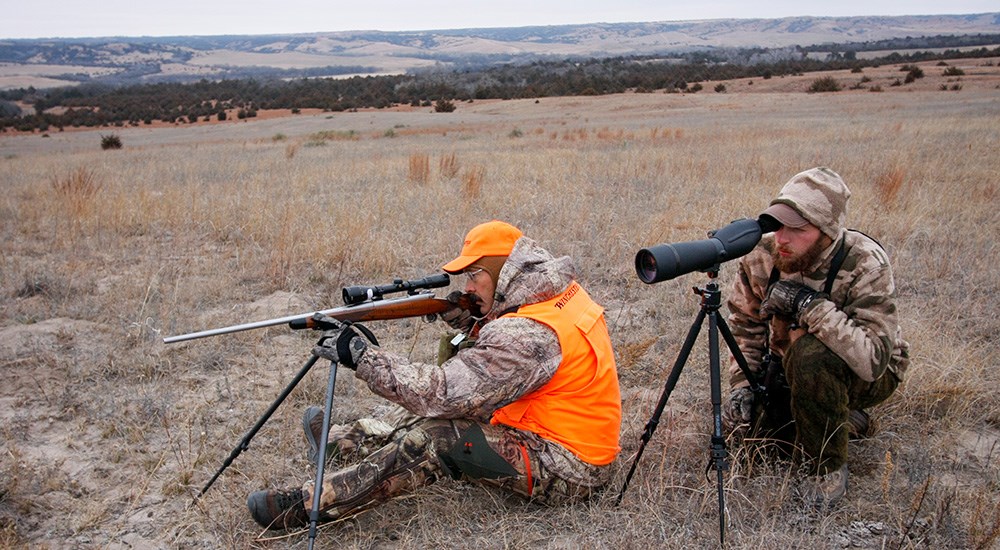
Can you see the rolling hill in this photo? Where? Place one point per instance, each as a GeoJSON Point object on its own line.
{"type": "Point", "coordinates": [44, 63]}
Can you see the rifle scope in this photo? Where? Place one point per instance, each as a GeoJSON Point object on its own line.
{"type": "Point", "coordinates": [666, 261]}
{"type": "Point", "coordinates": [357, 294]}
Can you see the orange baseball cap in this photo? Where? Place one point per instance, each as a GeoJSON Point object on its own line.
{"type": "Point", "coordinates": [495, 238]}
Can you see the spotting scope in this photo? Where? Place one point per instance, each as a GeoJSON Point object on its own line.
{"type": "Point", "coordinates": [663, 262]}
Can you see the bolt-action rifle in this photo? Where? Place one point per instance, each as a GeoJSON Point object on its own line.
{"type": "Point", "coordinates": [363, 303]}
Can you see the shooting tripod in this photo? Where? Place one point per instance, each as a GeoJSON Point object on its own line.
{"type": "Point", "coordinates": [317, 322]}
{"type": "Point", "coordinates": [711, 299]}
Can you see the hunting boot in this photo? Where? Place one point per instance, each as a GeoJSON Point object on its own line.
{"type": "Point", "coordinates": [858, 424]}
{"type": "Point", "coordinates": [825, 490]}
{"type": "Point", "coordinates": [274, 509]}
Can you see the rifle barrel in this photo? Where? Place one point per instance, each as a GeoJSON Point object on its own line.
{"type": "Point", "coordinates": [361, 312]}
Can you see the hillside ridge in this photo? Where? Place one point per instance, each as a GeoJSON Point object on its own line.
{"type": "Point", "coordinates": [127, 60]}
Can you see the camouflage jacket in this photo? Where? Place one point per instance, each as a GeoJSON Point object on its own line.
{"type": "Point", "coordinates": [858, 322]}
{"type": "Point", "coordinates": [511, 357]}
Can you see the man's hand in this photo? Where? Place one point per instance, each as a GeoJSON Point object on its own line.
{"type": "Point", "coordinates": [457, 317]}
{"type": "Point", "coordinates": [788, 298]}
{"type": "Point", "coordinates": [346, 347]}
{"type": "Point", "coordinates": [739, 408]}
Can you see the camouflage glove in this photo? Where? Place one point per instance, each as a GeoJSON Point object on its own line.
{"type": "Point", "coordinates": [739, 409]}
{"type": "Point", "coordinates": [457, 317]}
{"type": "Point", "coordinates": [788, 298]}
{"type": "Point", "coordinates": [347, 346]}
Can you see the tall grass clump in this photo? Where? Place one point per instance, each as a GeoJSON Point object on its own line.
{"type": "Point", "coordinates": [472, 182]}
{"type": "Point", "coordinates": [889, 182]}
{"type": "Point", "coordinates": [419, 168]}
{"type": "Point", "coordinates": [448, 166]}
{"type": "Point", "coordinates": [76, 191]}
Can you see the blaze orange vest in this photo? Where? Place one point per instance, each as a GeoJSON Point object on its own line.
{"type": "Point", "coordinates": [580, 407]}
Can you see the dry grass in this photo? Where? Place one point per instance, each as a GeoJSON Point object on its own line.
{"type": "Point", "coordinates": [420, 168]}
{"type": "Point", "coordinates": [448, 165]}
{"type": "Point", "coordinates": [107, 433]}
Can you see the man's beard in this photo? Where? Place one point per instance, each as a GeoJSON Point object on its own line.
{"type": "Point", "coordinates": [795, 264]}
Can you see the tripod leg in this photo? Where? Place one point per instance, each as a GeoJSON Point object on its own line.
{"type": "Point", "coordinates": [245, 443]}
{"type": "Point", "coordinates": [321, 455]}
{"type": "Point", "coordinates": [719, 452]}
{"type": "Point", "coordinates": [734, 349]}
{"type": "Point", "coordinates": [675, 374]}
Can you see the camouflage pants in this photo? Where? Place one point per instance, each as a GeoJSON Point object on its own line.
{"type": "Point", "coordinates": [823, 391]}
{"type": "Point", "coordinates": [396, 459]}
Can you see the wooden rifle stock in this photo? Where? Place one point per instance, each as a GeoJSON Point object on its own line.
{"type": "Point", "coordinates": [414, 305]}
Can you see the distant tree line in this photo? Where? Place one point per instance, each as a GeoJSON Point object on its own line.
{"type": "Point", "coordinates": [101, 105]}
{"type": "Point", "coordinates": [910, 43]}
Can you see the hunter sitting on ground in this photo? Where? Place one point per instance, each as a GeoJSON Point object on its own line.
{"type": "Point", "coordinates": [529, 403]}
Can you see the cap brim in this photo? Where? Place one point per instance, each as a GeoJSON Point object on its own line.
{"type": "Point", "coordinates": [785, 215]}
{"type": "Point", "coordinates": [459, 264]}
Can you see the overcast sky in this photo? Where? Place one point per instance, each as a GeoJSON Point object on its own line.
{"type": "Point", "coordinates": [75, 18]}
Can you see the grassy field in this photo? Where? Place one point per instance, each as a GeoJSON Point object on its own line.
{"type": "Point", "coordinates": [108, 433]}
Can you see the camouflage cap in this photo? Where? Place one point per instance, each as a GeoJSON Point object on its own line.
{"type": "Point", "coordinates": [819, 195]}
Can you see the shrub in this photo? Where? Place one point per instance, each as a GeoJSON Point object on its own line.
{"type": "Point", "coordinates": [913, 74]}
{"type": "Point", "coordinates": [953, 71]}
{"type": "Point", "coordinates": [825, 84]}
{"type": "Point", "coordinates": [697, 87]}
{"type": "Point", "coordinates": [444, 106]}
{"type": "Point", "coordinates": [720, 88]}
{"type": "Point", "coordinates": [111, 141]}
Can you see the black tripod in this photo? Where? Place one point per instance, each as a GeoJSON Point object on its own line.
{"type": "Point", "coordinates": [318, 322]}
{"type": "Point", "coordinates": [711, 299]}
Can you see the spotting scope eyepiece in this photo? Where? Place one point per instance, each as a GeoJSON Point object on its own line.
{"type": "Point", "coordinates": [666, 261]}
{"type": "Point", "coordinates": [358, 294]}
